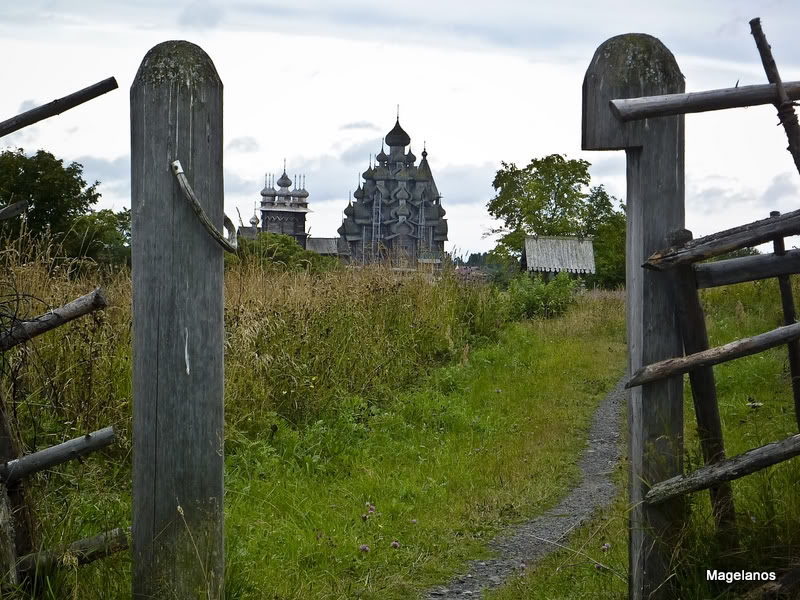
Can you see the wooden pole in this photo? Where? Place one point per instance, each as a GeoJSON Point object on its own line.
{"type": "Point", "coordinates": [751, 234]}
{"type": "Point", "coordinates": [783, 103]}
{"type": "Point", "coordinates": [631, 109]}
{"type": "Point", "coordinates": [726, 470]}
{"type": "Point", "coordinates": [56, 107]}
{"type": "Point", "coordinates": [14, 470]}
{"type": "Point", "coordinates": [789, 317]}
{"type": "Point", "coordinates": [176, 114]}
{"type": "Point", "coordinates": [704, 389]}
{"type": "Point", "coordinates": [685, 364]}
{"type": "Point", "coordinates": [747, 268]}
{"type": "Point", "coordinates": [8, 551]}
{"type": "Point", "coordinates": [85, 551]}
{"type": "Point", "coordinates": [22, 331]}
{"type": "Point", "coordinates": [629, 66]}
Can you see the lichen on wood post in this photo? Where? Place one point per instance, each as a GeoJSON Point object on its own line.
{"type": "Point", "coordinates": [629, 66]}
{"type": "Point", "coordinates": [176, 114]}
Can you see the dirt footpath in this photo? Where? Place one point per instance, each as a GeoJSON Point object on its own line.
{"type": "Point", "coordinates": [525, 544]}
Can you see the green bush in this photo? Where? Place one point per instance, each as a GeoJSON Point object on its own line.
{"type": "Point", "coordinates": [531, 297]}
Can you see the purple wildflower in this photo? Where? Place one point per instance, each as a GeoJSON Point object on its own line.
{"type": "Point", "coordinates": [364, 548]}
{"type": "Point", "coordinates": [605, 547]}
{"type": "Point", "coordinates": [395, 544]}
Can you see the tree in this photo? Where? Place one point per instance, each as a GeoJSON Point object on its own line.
{"type": "Point", "coordinates": [103, 236]}
{"type": "Point", "coordinates": [548, 197]}
{"type": "Point", "coordinates": [544, 198]}
{"type": "Point", "coordinates": [282, 252]}
{"type": "Point", "coordinates": [56, 195]}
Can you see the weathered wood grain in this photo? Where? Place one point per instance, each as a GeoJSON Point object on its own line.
{"type": "Point", "coordinates": [789, 317]}
{"type": "Point", "coordinates": [714, 356]}
{"type": "Point", "coordinates": [630, 66]}
{"type": "Point", "coordinates": [12, 210]}
{"type": "Point", "coordinates": [632, 109]}
{"type": "Point", "coordinates": [8, 552]}
{"type": "Point", "coordinates": [83, 551]}
{"type": "Point", "coordinates": [14, 470]}
{"type": "Point", "coordinates": [56, 107]}
{"type": "Point", "coordinates": [176, 112]}
{"type": "Point", "coordinates": [704, 390]}
{"type": "Point", "coordinates": [743, 236]}
{"type": "Point", "coordinates": [22, 331]}
{"type": "Point", "coordinates": [746, 268]}
{"type": "Point", "coordinates": [727, 470]}
{"type": "Point", "coordinates": [783, 103]}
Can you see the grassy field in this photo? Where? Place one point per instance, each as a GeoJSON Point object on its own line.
{"type": "Point", "coordinates": [756, 407]}
{"type": "Point", "coordinates": [378, 431]}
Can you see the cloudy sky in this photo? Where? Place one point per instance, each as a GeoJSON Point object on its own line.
{"type": "Point", "coordinates": [318, 83]}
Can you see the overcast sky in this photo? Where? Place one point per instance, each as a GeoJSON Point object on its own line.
{"type": "Point", "coordinates": [318, 83]}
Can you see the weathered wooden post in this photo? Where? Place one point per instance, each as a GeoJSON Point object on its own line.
{"type": "Point", "coordinates": [627, 66]}
{"type": "Point", "coordinates": [176, 114]}
{"type": "Point", "coordinates": [789, 317]}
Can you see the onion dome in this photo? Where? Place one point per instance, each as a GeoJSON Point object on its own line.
{"type": "Point", "coordinates": [303, 193]}
{"type": "Point", "coordinates": [397, 137]}
{"type": "Point", "coordinates": [359, 193]}
{"type": "Point", "coordinates": [268, 191]}
{"type": "Point", "coordinates": [284, 181]}
{"type": "Point", "coordinates": [410, 158]}
{"type": "Point", "coordinates": [349, 211]}
{"type": "Point", "coordinates": [254, 220]}
{"type": "Point", "coordinates": [381, 156]}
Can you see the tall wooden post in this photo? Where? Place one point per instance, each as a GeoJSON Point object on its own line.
{"type": "Point", "coordinates": [176, 113]}
{"type": "Point", "coordinates": [628, 66]}
{"type": "Point", "coordinates": [789, 317]}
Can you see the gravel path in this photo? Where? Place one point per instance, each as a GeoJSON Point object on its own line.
{"type": "Point", "coordinates": [524, 544]}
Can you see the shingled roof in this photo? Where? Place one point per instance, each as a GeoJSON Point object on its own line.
{"type": "Point", "coordinates": [553, 254]}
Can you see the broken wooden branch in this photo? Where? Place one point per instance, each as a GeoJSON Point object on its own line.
{"type": "Point", "coordinates": [58, 106]}
{"type": "Point", "coordinates": [632, 109]}
{"type": "Point", "coordinates": [12, 210]}
{"type": "Point", "coordinates": [81, 552]}
{"type": "Point", "coordinates": [747, 268]}
{"type": "Point", "coordinates": [15, 470]}
{"type": "Point", "coordinates": [785, 106]}
{"type": "Point", "coordinates": [22, 331]}
{"type": "Point", "coordinates": [752, 234]}
{"type": "Point", "coordinates": [714, 356]}
{"type": "Point", "coordinates": [727, 470]}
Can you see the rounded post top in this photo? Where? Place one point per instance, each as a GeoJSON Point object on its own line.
{"type": "Point", "coordinates": [176, 60]}
{"type": "Point", "coordinates": [638, 59]}
{"type": "Point", "coordinates": [632, 65]}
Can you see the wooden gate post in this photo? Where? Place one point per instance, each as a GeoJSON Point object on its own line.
{"type": "Point", "coordinates": [176, 114]}
{"type": "Point", "coordinates": [628, 66]}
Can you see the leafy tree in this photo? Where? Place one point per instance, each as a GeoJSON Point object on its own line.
{"type": "Point", "coordinates": [56, 195]}
{"type": "Point", "coordinates": [548, 197]}
{"type": "Point", "coordinates": [103, 236]}
{"type": "Point", "coordinates": [544, 198]}
{"type": "Point", "coordinates": [279, 251]}
{"type": "Point", "coordinates": [59, 204]}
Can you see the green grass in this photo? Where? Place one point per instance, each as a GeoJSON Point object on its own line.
{"type": "Point", "coordinates": [418, 398]}
{"type": "Point", "coordinates": [767, 505]}
{"type": "Point", "coordinates": [476, 447]}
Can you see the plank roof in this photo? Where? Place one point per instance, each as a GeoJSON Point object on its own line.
{"type": "Point", "coordinates": [553, 254]}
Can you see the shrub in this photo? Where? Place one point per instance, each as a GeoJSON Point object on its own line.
{"type": "Point", "coordinates": [531, 297]}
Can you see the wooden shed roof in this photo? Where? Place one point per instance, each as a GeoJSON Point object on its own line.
{"type": "Point", "coordinates": [571, 254]}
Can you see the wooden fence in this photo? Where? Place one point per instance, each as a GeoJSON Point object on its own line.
{"type": "Point", "coordinates": [633, 100]}
{"type": "Point", "coordinates": [177, 532]}
{"type": "Point", "coordinates": [19, 560]}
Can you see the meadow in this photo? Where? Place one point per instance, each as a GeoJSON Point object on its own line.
{"type": "Point", "coordinates": [379, 430]}
{"type": "Point", "coordinates": [756, 408]}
